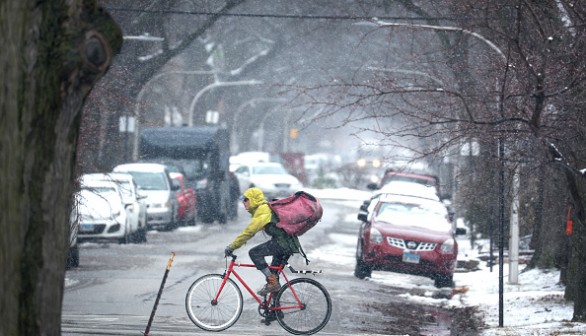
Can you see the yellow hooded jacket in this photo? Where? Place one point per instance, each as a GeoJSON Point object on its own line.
{"type": "Point", "coordinates": [262, 216]}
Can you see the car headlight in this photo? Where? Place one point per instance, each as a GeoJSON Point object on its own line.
{"type": "Point", "coordinates": [447, 246]}
{"type": "Point", "coordinates": [376, 236]}
{"type": "Point", "coordinates": [161, 205]}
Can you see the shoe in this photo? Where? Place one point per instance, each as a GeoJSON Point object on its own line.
{"type": "Point", "coordinates": [268, 319]}
{"type": "Point", "coordinates": [272, 285]}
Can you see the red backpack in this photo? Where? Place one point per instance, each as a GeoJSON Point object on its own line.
{"type": "Point", "coordinates": [297, 213]}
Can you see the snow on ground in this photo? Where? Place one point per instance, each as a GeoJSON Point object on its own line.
{"type": "Point", "coordinates": [533, 306]}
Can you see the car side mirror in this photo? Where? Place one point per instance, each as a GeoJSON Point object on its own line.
{"type": "Point", "coordinates": [460, 231]}
{"type": "Point", "coordinates": [362, 216]}
{"type": "Point", "coordinates": [372, 186]}
{"type": "Point", "coordinates": [365, 205]}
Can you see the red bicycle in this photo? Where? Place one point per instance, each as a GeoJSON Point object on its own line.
{"type": "Point", "coordinates": [302, 306]}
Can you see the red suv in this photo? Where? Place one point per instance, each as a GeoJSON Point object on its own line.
{"type": "Point", "coordinates": [406, 234]}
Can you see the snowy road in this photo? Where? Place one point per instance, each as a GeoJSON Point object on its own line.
{"type": "Point", "coordinates": [114, 289]}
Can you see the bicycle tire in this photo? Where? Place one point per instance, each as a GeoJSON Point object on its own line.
{"type": "Point", "coordinates": [218, 317]}
{"type": "Point", "coordinates": [316, 312]}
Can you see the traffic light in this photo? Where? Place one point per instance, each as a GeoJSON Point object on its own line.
{"type": "Point", "coordinates": [293, 133]}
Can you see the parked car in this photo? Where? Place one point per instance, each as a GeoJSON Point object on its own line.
{"type": "Point", "coordinates": [402, 234]}
{"type": "Point", "coordinates": [99, 213]}
{"type": "Point", "coordinates": [134, 201]}
{"type": "Point", "coordinates": [155, 182]}
{"type": "Point", "coordinates": [187, 211]}
{"type": "Point", "coordinates": [73, 251]}
{"type": "Point", "coordinates": [201, 153]}
{"type": "Point", "coordinates": [408, 189]}
{"type": "Point", "coordinates": [392, 175]}
{"type": "Point", "coordinates": [270, 177]}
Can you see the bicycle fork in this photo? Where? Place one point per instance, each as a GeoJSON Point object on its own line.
{"type": "Point", "coordinates": [225, 277]}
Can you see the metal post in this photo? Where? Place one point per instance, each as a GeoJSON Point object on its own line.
{"type": "Point", "coordinates": [501, 224]}
{"type": "Point", "coordinates": [514, 231]}
{"type": "Point", "coordinates": [148, 327]}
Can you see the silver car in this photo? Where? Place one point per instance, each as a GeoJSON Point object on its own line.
{"type": "Point", "coordinates": [154, 181]}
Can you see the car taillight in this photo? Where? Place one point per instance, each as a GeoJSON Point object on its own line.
{"type": "Point", "coordinates": [447, 246]}
{"type": "Point", "coordinates": [376, 236]}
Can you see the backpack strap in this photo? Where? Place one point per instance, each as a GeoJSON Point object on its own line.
{"type": "Point", "coordinates": [307, 261]}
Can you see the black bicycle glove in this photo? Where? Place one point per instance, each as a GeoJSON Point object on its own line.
{"type": "Point", "coordinates": [228, 251]}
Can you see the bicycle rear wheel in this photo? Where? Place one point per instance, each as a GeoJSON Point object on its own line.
{"type": "Point", "coordinates": [207, 315]}
{"type": "Point", "coordinates": [315, 311]}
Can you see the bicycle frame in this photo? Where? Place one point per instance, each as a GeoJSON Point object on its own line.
{"type": "Point", "coordinates": [230, 270]}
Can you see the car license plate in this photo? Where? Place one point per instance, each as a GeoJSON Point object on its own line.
{"type": "Point", "coordinates": [86, 227]}
{"type": "Point", "coordinates": [411, 258]}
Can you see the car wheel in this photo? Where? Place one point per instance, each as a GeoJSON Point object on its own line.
{"type": "Point", "coordinates": [142, 235]}
{"type": "Point", "coordinates": [444, 280]}
{"type": "Point", "coordinates": [206, 216]}
{"type": "Point", "coordinates": [174, 223]}
{"type": "Point", "coordinates": [222, 218]}
{"type": "Point", "coordinates": [192, 221]}
{"type": "Point", "coordinates": [362, 269]}
{"type": "Point", "coordinates": [127, 238]}
{"type": "Point", "coordinates": [73, 257]}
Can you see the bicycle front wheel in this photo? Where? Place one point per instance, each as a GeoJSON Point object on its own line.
{"type": "Point", "coordinates": [315, 311]}
{"type": "Point", "coordinates": [209, 315]}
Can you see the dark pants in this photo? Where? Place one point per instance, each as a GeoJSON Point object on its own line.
{"type": "Point", "coordinates": [270, 248]}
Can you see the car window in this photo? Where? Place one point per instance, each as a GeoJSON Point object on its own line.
{"type": "Point", "coordinates": [126, 190]}
{"type": "Point", "coordinates": [193, 169]}
{"type": "Point", "coordinates": [410, 214]}
{"type": "Point", "coordinates": [150, 181]}
{"type": "Point", "coordinates": [176, 183]}
{"type": "Point", "coordinates": [100, 189]}
{"type": "Point", "coordinates": [242, 170]}
{"type": "Point", "coordinates": [263, 170]}
{"type": "Point", "coordinates": [390, 178]}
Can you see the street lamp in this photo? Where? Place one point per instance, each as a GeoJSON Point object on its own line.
{"type": "Point", "coordinates": [142, 92]}
{"type": "Point", "coordinates": [240, 108]}
{"type": "Point", "coordinates": [212, 86]}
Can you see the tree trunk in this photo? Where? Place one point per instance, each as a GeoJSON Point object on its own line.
{"type": "Point", "coordinates": [52, 54]}
{"type": "Point", "coordinates": [576, 288]}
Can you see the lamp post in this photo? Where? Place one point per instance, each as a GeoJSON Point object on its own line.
{"type": "Point", "coordinates": [212, 86]}
{"type": "Point", "coordinates": [142, 92]}
{"type": "Point", "coordinates": [252, 102]}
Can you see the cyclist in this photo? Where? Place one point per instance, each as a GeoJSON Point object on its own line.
{"type": "Point", "coordinates": [281, 245]}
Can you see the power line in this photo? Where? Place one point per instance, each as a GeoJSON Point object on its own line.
{"type": "Point", "coordinates": [302, 17]}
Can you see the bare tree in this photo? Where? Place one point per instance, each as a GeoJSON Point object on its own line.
{"type": "Point", "coordinates": [515, 76]}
